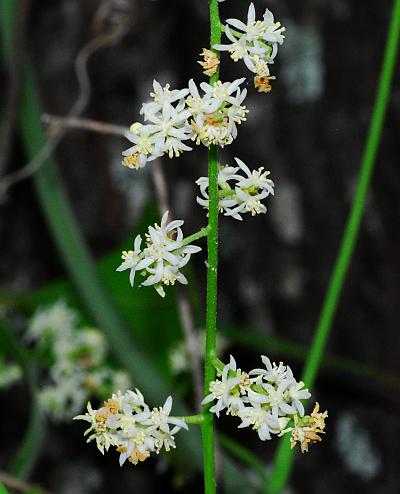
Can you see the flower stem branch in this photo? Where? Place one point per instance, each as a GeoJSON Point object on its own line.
{"type": "Point", "coordinates": [193, 419]}
{"type": "Point", "coordinates": [284, 456]}
{"type": "Point", "coordinates": [218, 364]}
{"type": "Point", "coordinates": [195, 236]}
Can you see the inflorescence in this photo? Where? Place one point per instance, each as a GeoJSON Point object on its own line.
{"type": "Point", "coordinates": [256, 43]}
{"type": "Point", "coordinates": [127, 423]}
{"type": "Point", "coordinates": [239, 193]}
{"type": "Point", "coordinates": [162, 258]}
{"type": "Point", "coordinates": [268, 400]}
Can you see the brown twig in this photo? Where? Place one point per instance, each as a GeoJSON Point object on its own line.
{"type": "Point", "coordinates": [184, 306]}
{"type": "Point", "coordinates": [84, 124]}
{"type": "Point", "coordinates": [186, 318]}
{"type": "Point", "coordinates": [56, 131]}
{"type": "Point", "coordinates": [19, 485]}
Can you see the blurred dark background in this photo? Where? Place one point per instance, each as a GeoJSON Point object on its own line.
{"type": "Point", "coordinates": [309, 132]}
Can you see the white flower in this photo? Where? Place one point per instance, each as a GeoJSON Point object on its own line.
{"type": "Point", "coordinates": [274, 397]}
{"type": "Point", "coordinates": [160, 96]}
{"type": "Point", "coordinates": [162, 258]}
{"type": "Point", "coordinates": [159, 418]}
{"type": "Point", "coordinates": [273, 373]}
{"type": "Point", "coordinates": [296, 393]}
{"type": "Point", "coordinates": [227, 390]}
{"type": "Point", "coordinates": [133, 260]}
{"type": "Point", "coordinates": [168, 128]}
{"type": "Point", "coordinates": [238, 194]}
{"type": "Point", "coordinates": [260, 419]}
{"type": "Point", "coordinates": [165, 130]}
{"type": "Point", "coordinates": [255, 42]}
{"type": "Point", "coordinates": [147, 146]}
{"type": "Point", "coordinates": [257, 179]}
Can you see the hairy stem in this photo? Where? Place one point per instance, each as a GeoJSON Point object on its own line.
{"type": "Point", "coordinates": [212, 263]}
{"type": "Point", "coordinates": [284, 456]}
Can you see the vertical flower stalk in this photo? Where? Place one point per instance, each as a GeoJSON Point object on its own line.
{"type": "Point", "coordinates": [212, 263]}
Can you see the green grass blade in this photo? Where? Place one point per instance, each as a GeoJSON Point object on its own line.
{"type": "Point", "coordinates": [243, 454]}
{"type": "Point", "coordinates": [3, 490]}
{"type": "Point", "coordinates": [271, 345]}
{"type": "Point", "coordinates": [30, 446]}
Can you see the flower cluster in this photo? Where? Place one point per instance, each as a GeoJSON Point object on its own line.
{"type": "Point", "coordinates": [215, 114]}
{"type": "Point", "coordinates": [170, 119]}
{"type": "Point", "coordinates": [268, 400]}
{"type": "Point", "coordinates": [127, 423]}
{"type": "Point", "coordinates": [238, 193]}
{"type": "Point", "coordinates": [162, 258]}
{"type": "Point", "coordinates": [256, 43]}
{"type": "Point", "coordinates": [77, 361]}
{"type": "Point", "coordinates": [165, 130]}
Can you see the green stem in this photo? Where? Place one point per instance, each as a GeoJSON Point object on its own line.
{"type": "Point", "coordinates": [195, 236]}
{"type": "Point", "coordinates": [284, 456]}
{"type": "Point", "coordinates": [212, 263]}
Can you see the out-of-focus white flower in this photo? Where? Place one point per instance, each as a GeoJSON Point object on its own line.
{"type": "Point", "coordinates": [78, 362]}
{"type": "Point", "coordinates": [55, 319]}
{"type": "Point", "coordinates": [269, 402]}
{"type": "Point", "coordinates": [255, 42]}
{"type": "Point", "coordinates": [214, 115]}
{"type": "Point", "coordinates": [179, 358]}
{"type": "Point", "coordinates": [126, 422]}
{"type": "Point", "coordinates": [120, 380]}
{"type": "Point", "coordinates": [9, 375]}
{"type": "Point", "coordinates": [238, 194]}
{"type": "Point", "coordinates": [356, 448]}
{"type": "Point", "coordinates": [162, 258]}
